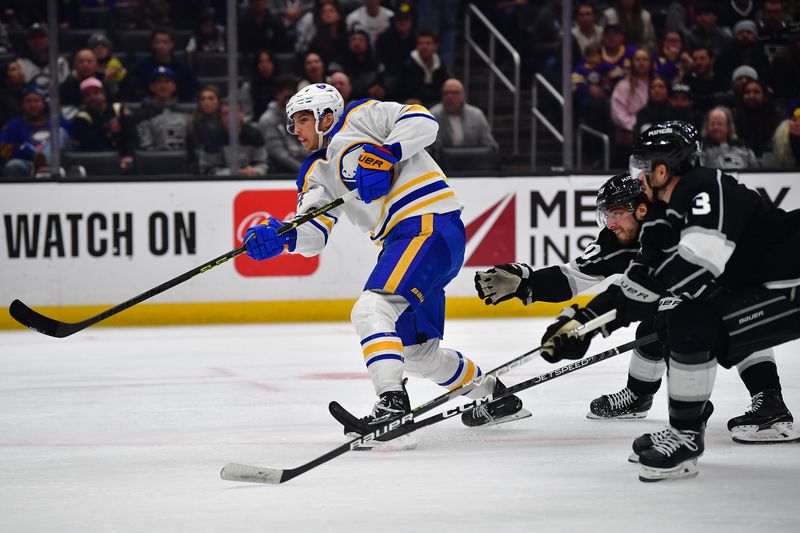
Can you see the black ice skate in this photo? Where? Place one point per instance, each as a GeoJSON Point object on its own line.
{"type": "Point", "coordinates": [648, 440]}
{"type": "Point", "coordinates": [496, 412]}
{"type": "Point", "coordinates": [767, 421]}
{"type": "Point", "coordinates": [391, 406]}
{"type": "Point", "coordinates": [674, 457]}
{"type": "Point", "coordinates": [621, 405]}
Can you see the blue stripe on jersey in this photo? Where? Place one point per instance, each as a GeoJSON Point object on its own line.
{"type": "Point", "coordinates": [385, 356]}
{"type": "Point", "coordinates": [301, 174]}
{"type": "Point", "coordinates": [377, 335]}
{"type": "Point", "coordinates": [408, 198]}
{"type": "Point", "coordinates": [458, 372]}
{"type": "Point", "coordinates": [410, 115]}
{"type": "Point", "coordinates": [335, 219]}
{"type": "Point", "coordinates": [320, 227]}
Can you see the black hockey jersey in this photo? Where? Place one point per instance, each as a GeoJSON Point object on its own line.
{"type": "Point", "coordinates": [604, 257]}
{"type": "Point", "coordinates": [726, 234]}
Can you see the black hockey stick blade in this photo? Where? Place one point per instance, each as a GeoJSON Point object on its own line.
{"type": "Point", "coordinates": [56, 328]}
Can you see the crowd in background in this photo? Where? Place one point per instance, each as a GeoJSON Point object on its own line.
{"type": "Point", "coordinates": [135, 77]}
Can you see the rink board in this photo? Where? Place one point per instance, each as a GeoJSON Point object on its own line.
{"type": "Point", "coordinates": [72, 250]}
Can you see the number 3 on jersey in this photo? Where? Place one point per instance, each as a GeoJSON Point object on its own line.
{"type": "Point", "coordinates": [701, 205]}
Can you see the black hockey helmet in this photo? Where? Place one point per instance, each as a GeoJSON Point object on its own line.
{"type": "Point", "coordinates": [620, 190]}
{"type": "Point", "coordinates": [674, 143]}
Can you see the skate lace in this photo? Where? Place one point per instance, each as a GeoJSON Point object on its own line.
{"type": "Point", "coordinates": [482, 412]}
{"type": "Point", "coordinates": [660, 435]}
{"type": "Point", "coordinates": [622, 398]}
{"type": "Point", "coordinates": [674, 440]}
{"type": "Point", "coordinates": [758, 399]}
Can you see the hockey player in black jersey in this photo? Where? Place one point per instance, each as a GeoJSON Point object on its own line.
{"type": "Point", "coordinates": [621, 208]}
{"type": "Point", "coordinates": [717, 274]}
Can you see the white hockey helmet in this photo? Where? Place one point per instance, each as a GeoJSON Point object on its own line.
{"type": "Point", "coordinates": [318, 98]}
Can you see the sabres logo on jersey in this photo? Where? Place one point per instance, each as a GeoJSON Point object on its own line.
{"type": "Point", "coordinates": [348, 163]}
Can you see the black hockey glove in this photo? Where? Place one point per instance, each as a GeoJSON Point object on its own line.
{"type": "Point", "coordinates": [639, 295]}
{"type": "Point", "coordinates": [558, 343]}
{"type": "Point", "coordinates": [503, 282]}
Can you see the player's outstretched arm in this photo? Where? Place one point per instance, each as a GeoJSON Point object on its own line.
{"type": "Point", "coordinates": [503, 282]}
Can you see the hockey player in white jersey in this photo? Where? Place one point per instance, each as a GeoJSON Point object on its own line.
{"type": "Point", "coordinates": [407, 207]}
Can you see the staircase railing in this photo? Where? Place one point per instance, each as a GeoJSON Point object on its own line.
{"type": "Point", "coordinates": [583, 128]}
{"type": "Point", "coordinates": [537, 115]}
{"type": "Point", "coordinates": [494, 37]}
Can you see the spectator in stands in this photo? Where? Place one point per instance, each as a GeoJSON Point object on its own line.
{"type": "Point", "coordinates": [34, 62]}
{"type": "Point", "coordinates": [592, 81]}
{"type": "Point", "coordinates": [732, 11]}
{"type": "Point", "coordinates": [785, 75]}
{"type": "Point", "coordinates": [314, 70]}
{"type": "Point", "coordinates": [630, 96]}
{"type": "Point", "coordinates": [5, 44]}
{"type": "Point", "coordinates": [585, 31]}
{"type": "Point", "coordinates": [773, 33]}
{"type": "Point", "coordinates": [259, 29]}
{"type": "Point", "coordinates": [25, 140]}
{"type": "Point", "coordinates": [655, 110]}
{"type": "Point", "coordinates": [395, 44]}
{"type": "Point", "coordinates": [11, 85]}
{"type": "Point", "coordinates": [257, 93]}
{"type": "Point", "coordinates": [329, 32]}
{"type": "Point", "coordinates": [103, 127]}
{"type": "Point", "coordinates": [442, 17]}
{"type": "Point", "coordinates": [285, 153]}
{"type": "Point", "coordinates": [756, 118]}
{"type": "Point", "coordinates": [705, 33]}
{"type": "Point", "coordinates": [707, 88]}
{"type": "Point", "coordinates": [681, 105]}
{"type": "Point", "coordinates": [672, 62]}
{"type": "Point", "coordinates": [215, 156]}
{"type": "Point", "coordinates": [160, 125]}
{"type": "Point", "coordinates": [746, 50]}
{"type": "Point", "coordinates": [721, 147]}
{"type": "Point", "coordinates": [545, 56]}
{"type": "Point", "coordinates": [743, 75]}
{"type": "Point", "coordinates": [422, 73]}
{"type": "Point", "coordinates": [786, 141]}
{"type": "Point", "coordinates": [614, 49]}
{"type": "Point", "coordinates": [680, 16]}
{"type": "Point", "coordinates": [365, 71]}
{"type": "Point", "coordinates": [635, 22]}
{"type": "Point", "coordinates": [204, 126]}
{"type": "Point", "coordinates": [208, 35]}
{"type": "Point", "coordinates": [163, 44]}
{"type": "Point", "coordinates": [290, 12]}
{"type": "Point", "coordinates": [341, 81]}
{"type": "Point", "coordinates": [113, 73]}
{"type": "Point", "coordinates": [372, 18]}
{"type": "Point", "coordinates": [151, 14]}
{"type": "Point", "coordinates": [460, 124]}
{"type": "Point", "coordinates": [84, 66]}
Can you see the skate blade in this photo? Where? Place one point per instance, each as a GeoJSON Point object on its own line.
{"type": "Point", "coordinates": [403, 442]}
{"type": "Point", "coordinates": [778, 433]}
{"type": "Point", "coordinates": [519, 415]}
{"type": "Point", "coordinates": [686, 469]}
{"type": "Point", "coordinates": [627, 416]}
{"type": "Point", "coordinates": [633, 458]}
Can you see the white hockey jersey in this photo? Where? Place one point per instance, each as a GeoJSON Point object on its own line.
{"type": "Point", "coordinates": [419, 186]}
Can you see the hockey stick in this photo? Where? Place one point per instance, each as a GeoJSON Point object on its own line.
{"type": "Point", "coordinates": [55, 328]}
{"type": "Point", "coordinates": [406, 424]}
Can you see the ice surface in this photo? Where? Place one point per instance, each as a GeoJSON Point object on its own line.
{"type": "Point", "coordinates": [125, 430]}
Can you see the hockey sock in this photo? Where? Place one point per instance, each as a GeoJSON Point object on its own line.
{"type": "Point", "coordinates": [446, 367]}
{"type": "Point", "coordinates": [645, 373]}
{"type": "Point", "coordinates": [760, 377]}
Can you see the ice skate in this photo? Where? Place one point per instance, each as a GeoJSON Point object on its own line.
{"type": "Point", "coordinates": [648, 440]}
{"type": "Point", "coordinates": [673, 457]}
{"type": "Point", "coordinates": [767, 421]}
{"type": "Point", "coordinates": [496, 412]}
{"type": "Point", "coordinates": [620, 405]}
{"type": "Point", "coordinates": [391, 406]}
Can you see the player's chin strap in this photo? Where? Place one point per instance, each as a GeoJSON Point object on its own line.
{"type": "Point", "coordinates": [321, 134]}
{"type": "Point", "coordinates": [647, 176]}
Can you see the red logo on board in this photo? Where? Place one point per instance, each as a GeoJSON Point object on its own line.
{"type": "Point", "coordinates": [253, 207]}
{"type": "Point", "coordinates": [491, 237]}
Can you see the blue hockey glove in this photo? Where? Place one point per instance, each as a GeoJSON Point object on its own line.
{"type": "Point", "coordinates": [262, 240]}
{"type": "Point", "coordinates": [639, 295]}
{"type": "Point", "coordinates": [374, 172]}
